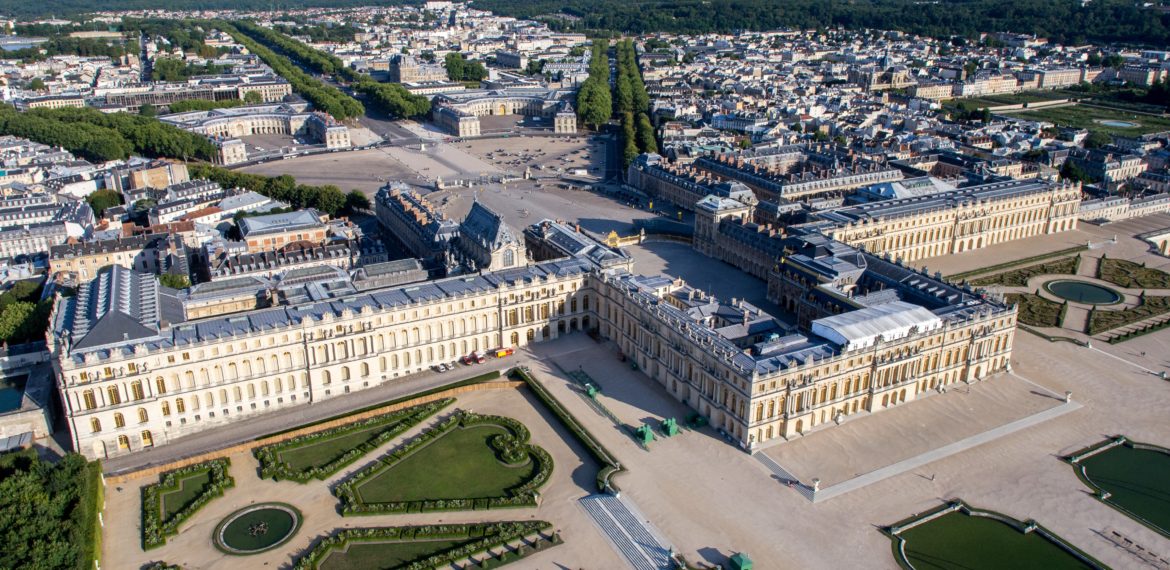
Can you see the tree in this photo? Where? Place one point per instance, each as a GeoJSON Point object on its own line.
{"type": "Point", "coordinates": [329, 199]}
{"type": "Point", "coordinates": [460, 69]}
{"type": "Point", "coordinates": [356, 201]}
{"type": "Point", "coordinates": [1070, 171]}
{"type": "Point", "coordinates": [1097, 139]}
{"type": "Point", "coordinates": [147, 110]}
{"type": "Point", "coordinates": [102, 200]}
{"type": "Point", "coordinates": [174, 281]}
{"type": "Point", "coordinates": [253, 98]}
{"type": "Point", "coordinates": [37, 84]}
{"type": "Point", "coordinates": [646, 141]}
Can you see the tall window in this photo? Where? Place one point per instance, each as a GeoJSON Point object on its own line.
{"type": "Point", "coordinates": [88, 400]}
{"type": "Point", "coordinates": [147, 439]}
{"type": "Point", "coordinates": [113, 396]}
{"type": "Point", "coordinates": [166, 408]}
{"type": "Point", "coordinates": [95, 425]}
{"type": "Point", "coordinates": [180, 406]}
{"type": "Point", "coordinates": [160, 386]}
{"type": "Point", "coordinates": [119, 421]}
{"type": "Point", "coordinates": [143, 417]}
{"type": "Point", "coordinates": [123, 442]}
{"type": "Point", "coordinates": [136, 390]}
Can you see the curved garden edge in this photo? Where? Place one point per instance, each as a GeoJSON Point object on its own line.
{"type": "Point", "coordinates": [217, 534]}
{"type": "Point", "coordinates": [1074, 460]}
{"type": "Point", "coordinates": [522, 495]}
{"type": "Point", "coordinates": [898, 544]}
{"type": "Point", "coordinates": [155, 530]}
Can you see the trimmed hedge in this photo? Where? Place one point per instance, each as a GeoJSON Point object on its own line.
{"type": "Point", "coordinates": [1132, 275]}
{"type": "Point", "coordinates": [155, 530]}
{"type": "Point", "coordinates": [1101, 320]}
{"type": "Point", "coordinates": [610, 465]}
{"type": "Point", "coordinates": [522, 495]}
{"type": "Point", "coordinates": [489, 535]}
{"type": "Point", "coordinates": [1017, 263]}
{"type": "Point", "coordinates": [1019, 277]}
{"type": "Point", "coordinates": [1036, 310]}
{"type": "Point", "coordinates": [274, 467]}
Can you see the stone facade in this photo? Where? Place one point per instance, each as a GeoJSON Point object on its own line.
{"type": "Point", "coordinates": [959, 220]}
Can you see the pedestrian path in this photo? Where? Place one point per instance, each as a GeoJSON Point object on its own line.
{"type": "Point", "coordinates": [628, 531]}
{"type": "Point", "coordinates": [785, 477]}
{"type": "Point", "coordinates": [917, 461]}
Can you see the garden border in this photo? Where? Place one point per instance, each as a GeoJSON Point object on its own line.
{"type": "Point", "coordinates": [611, 467]}
{"type": "Point", "coordinates": [523, 495]}
{"type": "Point", "coordinates": [508, 531]}
{"type": "Point", "coordinates": [1074, 459]}
{"type": "Point", "coordinates": [155, 530]}
{"type": "Point", "coordinates": [898, 544]}
{"type": "Point", "coordinates": [274, 467]}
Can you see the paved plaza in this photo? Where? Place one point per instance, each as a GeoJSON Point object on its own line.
{"type": "Point", "coordinates": [710, 499]}
{"type": "Point", "coordinates": [838, 453]}
{"type": "Point", "coordinates": [366, 170]}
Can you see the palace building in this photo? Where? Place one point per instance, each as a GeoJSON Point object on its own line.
{"type": "Point", "coordinates": [137, 369]}
{"type": "Point", "coordinates": [227, 126]}
{"type": "Point", "coordinates": [958, 220]}
{"type": "Point", "coordinates": [459, 112]}
{"type": "Point", "coordinates": [798, 172]}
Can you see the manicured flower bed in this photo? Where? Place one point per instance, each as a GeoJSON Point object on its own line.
{"type": "Point", "coordinates": [484, 460]}
{"type": "Point", "coordinates": [320, 455]}
{"type": "Point", "coordinates": [407, 545]}
{"type": "Point", "coordinates": [158, 521]}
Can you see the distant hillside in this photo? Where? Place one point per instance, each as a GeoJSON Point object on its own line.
{"type": "Point", "coordinates": [1065, 21]}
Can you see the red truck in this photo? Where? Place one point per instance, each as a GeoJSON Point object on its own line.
{"type": "Point", "coordinates": [473, 358]}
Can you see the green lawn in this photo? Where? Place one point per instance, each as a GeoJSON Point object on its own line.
{"type": "Point", "coordinates": [323, 451]}
{"type": "Point", "coordinates": [190, 487]}
{"type": "Point", "coordinates": [457, 465]}
{"type": "Point", "coordinates": [956, 541]}
{"type": "Point", "coordinates": [1082, 117]}
{"type": "Point", "coordinates": [1138, 479]}
{"type": "Point", "coordinates": [1132, 275]}
{"type": "Point", "coordinates": [384, 555]}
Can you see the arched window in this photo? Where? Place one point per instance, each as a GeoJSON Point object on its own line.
{"type": "Point", "coordinates": [123, 442]}
{"type": "Point", "coordinates": [180, 406]}
{"type": "Point", "coordinates": [112, 396]}
{"type": "Point", "coordinates": [166, 408]}
{"type": "Point", "coordinates": [147, 439]}
{"type": "Point", "coordinates": [136, 390]}
{"type": "Point", "coordinates": [119, 421]}
{"type": "Point", "coordinates": [143, 417]}
{"type": "Point", "coordinates": [160, 386]}
{"type": "Point", "coordinates": [95, 425]}
{"type": "Point", "coordinates": [509, 258]}
{"type": "Point", "coordinates": [251, 391]}
{"type": "Point", "coordinates": [88, 400]}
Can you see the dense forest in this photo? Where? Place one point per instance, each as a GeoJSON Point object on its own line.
{"type": "Point", "coordinates": [1067, 21]}
{"type": "Point", "coordinates": [101, 137]}
{"type": "Point", "coordinates": [391, 98]}
{"type": "Point", "coordinates": [49, 511]}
